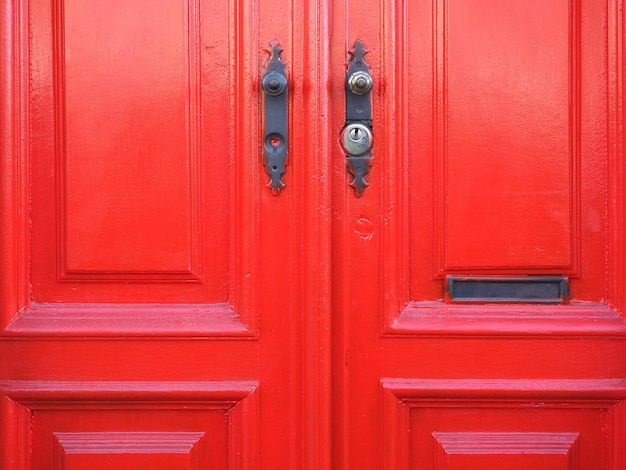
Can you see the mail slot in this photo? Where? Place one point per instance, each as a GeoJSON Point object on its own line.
{"type": "Point", "coordinates": [533, 289]}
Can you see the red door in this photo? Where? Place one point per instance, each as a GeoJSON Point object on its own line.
{"type": "Point", "coordinates": [478, 284]}
{"type": "Point", "coordinates": [162, 308]}
{"type": "Point", "coordinates": [157, 299]}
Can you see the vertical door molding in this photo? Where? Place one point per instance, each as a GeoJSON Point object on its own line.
{"type": "Point", "coordinates": [393, 152]}
{"type": "Point", "coordinates": [14, 290]}
{"type": "Point", "coordinates": [311, 160]}
{"type": "Point", "coordinates": [617, 167]}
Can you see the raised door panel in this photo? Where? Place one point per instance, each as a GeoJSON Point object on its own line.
{"type": "Point", "coordinates": [507, 182]}
{"type": "Point", "coordinates": [99, 424]}
{"type": "Point", "coordinates": [511, 168]}
{"type": "Point", "coordinates": [496, 194]}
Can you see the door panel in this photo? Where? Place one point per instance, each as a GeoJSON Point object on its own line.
{"type": "Point", "coordinates": [123, 198]}
{"type": "Point", "coordinates": [166, 425]}
{"type": "Point", "coordinates": [152, 297]}
{"type": "Point", "coordinates": [145, 185]}
{"type": "Point", "coordinates": [494, 422]}
{"type": "Point", "coordinates": [493, 160]}
{"type": "Point", "coordinates": [513, 165]}
{"type": "Point", "coordinates": [506, 182]}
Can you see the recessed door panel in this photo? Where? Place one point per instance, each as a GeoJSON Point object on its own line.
{"type": "Point", "coordinates": [122, 194]}
{"type": "Point", "coordinates": [128, 136]}
{"type": "Point", "coordinates": [508, 125]}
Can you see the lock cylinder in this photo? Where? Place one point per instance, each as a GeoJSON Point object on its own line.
{"type": "Point", "coordinates": [356, 139]}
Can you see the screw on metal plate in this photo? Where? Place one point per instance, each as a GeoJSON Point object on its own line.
{"type": "Point", "coordinates": [274, 85]}
{"type": "Point", "coordinates": [356, 135]}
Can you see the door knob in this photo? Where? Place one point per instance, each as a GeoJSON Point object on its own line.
{"type": "Point", "coordinates": [360, 83]}
{"type": "Point", "coordinates": [356, 135]}
{"type": "Point", "coordinates": [275, 144]}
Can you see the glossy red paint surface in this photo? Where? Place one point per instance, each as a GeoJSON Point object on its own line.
{"type": "Point", "coordinates": [153, 301]}
{"type": "Point", "coordinates": [160, 308]}
{"type": "Point", "coordinates": [496, 154]}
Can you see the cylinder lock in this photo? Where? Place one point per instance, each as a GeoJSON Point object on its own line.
{"type": "Point", "coordinates": [356, 139]}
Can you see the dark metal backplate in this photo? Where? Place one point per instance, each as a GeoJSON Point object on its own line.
{"type": "Point", "coordinates": [358, 110]}
{"type": "Point", "coordinates": [275, 138]}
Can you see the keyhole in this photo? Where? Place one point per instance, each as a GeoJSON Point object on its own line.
{"type": "Point", "coordinates": [356, 134]}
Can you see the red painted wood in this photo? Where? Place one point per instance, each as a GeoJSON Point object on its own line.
{"type": "Point", "coordinates": [156, 299]}
{"type": "Point", "coordinates": [492, 156]}
{"type": "Point", "coordinates": [161, 308]}
{"type": "Point", "coordinates": [98, 423]}
{"type": "Point", "coordinates": [123, 202]}
{"type": "Point", "coordinates": [509, 182]}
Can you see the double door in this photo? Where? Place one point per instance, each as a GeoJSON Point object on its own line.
{"type": "Point", "coordinates": [162, 307]}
